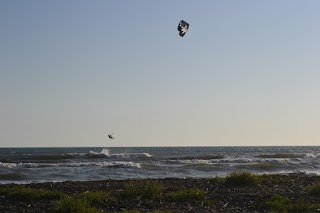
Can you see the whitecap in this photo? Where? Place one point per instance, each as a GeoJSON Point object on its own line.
{"type": "Point", "coordinates": [313, 155]}
{"type": "Point", "coordinates": [8, 165]}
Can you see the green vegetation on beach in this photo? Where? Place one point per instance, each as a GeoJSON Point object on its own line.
{"type": "Point", "coordinates": [242, 179]}
{"type": "Point", "coordinates": [141, 190]}
{"type": "Point", "coordinates": [315, 189]}
{"type": "Point", "coordinates": [278, 203]}
{"type": "Point", "coordinates": [24, 193]}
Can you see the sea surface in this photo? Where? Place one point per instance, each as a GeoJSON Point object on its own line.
{"type": "Point", "coordinates": [25, 165]}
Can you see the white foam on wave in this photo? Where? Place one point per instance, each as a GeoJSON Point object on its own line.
{"type": "Point", "coordinates": [214, 161]}
{"type": "Point", "coordinates": [313, 155]}
{"type": "Point", "coordinates": [35, 165]}
{"type": "Point", "coordinates": [193, 161]}
{"type": "Point", "coordinates": [8, 165]}
{"type": "Point", "coordinates": [102, 164]}
{"type": "Point", "coordinates": [143, 154]}
{"type": "Point", "coordinates": [107, 153]}
{"type": "Point", "coordinates": [122, 164]}
{"type": "Point", "coordinates": [73, 164]}
{"type": "Point", "coordinates": [131, 155]}
{"type": "Point", "coordinates": [235, 160]}
{"type": "Point", "coordinates": [312, 172]}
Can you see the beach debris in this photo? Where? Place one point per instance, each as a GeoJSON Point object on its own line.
{"type": "Point", "coordinates": [183, 28]}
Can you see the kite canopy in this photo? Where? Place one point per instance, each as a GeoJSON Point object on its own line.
{"type": "Point", "coordinates": [183, 28]}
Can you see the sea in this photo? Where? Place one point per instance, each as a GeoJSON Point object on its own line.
{"type": "Point", "coordinates": [29, 165]}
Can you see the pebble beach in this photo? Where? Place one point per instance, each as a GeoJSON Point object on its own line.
{"type": "Point", "coordinates": [272, 193]}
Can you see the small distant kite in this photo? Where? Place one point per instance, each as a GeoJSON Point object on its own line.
{"type": "Point", "coordinates": [183, 28]}
{"type": "Point", "coordinates": [110, 136]}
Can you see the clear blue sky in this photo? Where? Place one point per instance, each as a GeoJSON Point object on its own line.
{"type": "Point", "coordinates": [246, 73]}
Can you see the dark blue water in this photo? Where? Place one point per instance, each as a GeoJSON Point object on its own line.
{"type": "Point", "coordinates": [22, 165]}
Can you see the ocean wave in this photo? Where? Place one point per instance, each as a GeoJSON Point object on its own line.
{"type": "Point", "coordinates": [131, 156]}
{"type": "Point", "coordinates": [212, 161]}
{"type": "Point", "coordinates": [8, 165]}
{"type": "Point", "coordinates": [102, 154]}
{"type": "Point", "coordinates": [236, 160]}
{"type": "Point", "coordinates": [12, 176]}
{"type": "Point", "coordinates": [313, 155]}
{"type": "Point", "coordinates": [195, 162]}
{"type": "Point", "coordinates": [36, 158]}
{"type": "Point", "coordinates": [259, 166]}
{"type": "Point", "coordinates": [119, 164]}
{"type": "Point", "coordinates": [105, 153]}
{"type": "Point", "coordinates": [280, 155]}
{"type": "Point", "coordinates": [312, 172]}
{"type": "Point", "coordinates": [123, 164]}
{"type": "Point", "coordinates": [200, 157]}
{"type": "Point", "coordinates": [243, 162]}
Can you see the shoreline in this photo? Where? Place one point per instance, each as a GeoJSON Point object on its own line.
{"type": "Point", "coordinates": [169, 194]}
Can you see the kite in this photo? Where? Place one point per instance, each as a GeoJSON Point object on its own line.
{"type": "Point", "coordinates": [110, 136]}
{"type": "Point", "coordinates": [183, 28]}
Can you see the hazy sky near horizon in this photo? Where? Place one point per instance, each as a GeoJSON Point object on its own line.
{"type": "Point", "coordinates": [246, 73]}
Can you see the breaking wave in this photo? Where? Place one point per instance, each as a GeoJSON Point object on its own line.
{"type": "Point", "coordinates": [105, 153]}
{"type": "Point", "coordinates": [59, 164]}
{"type": "Point", "coordinates": [313, 155]}
{"type": "Point", "coordinates": [205, 157]}
{"type": "Point", "coordinates": [280, 155]}
{"type": "Point", "coordinates": [118, 164]}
